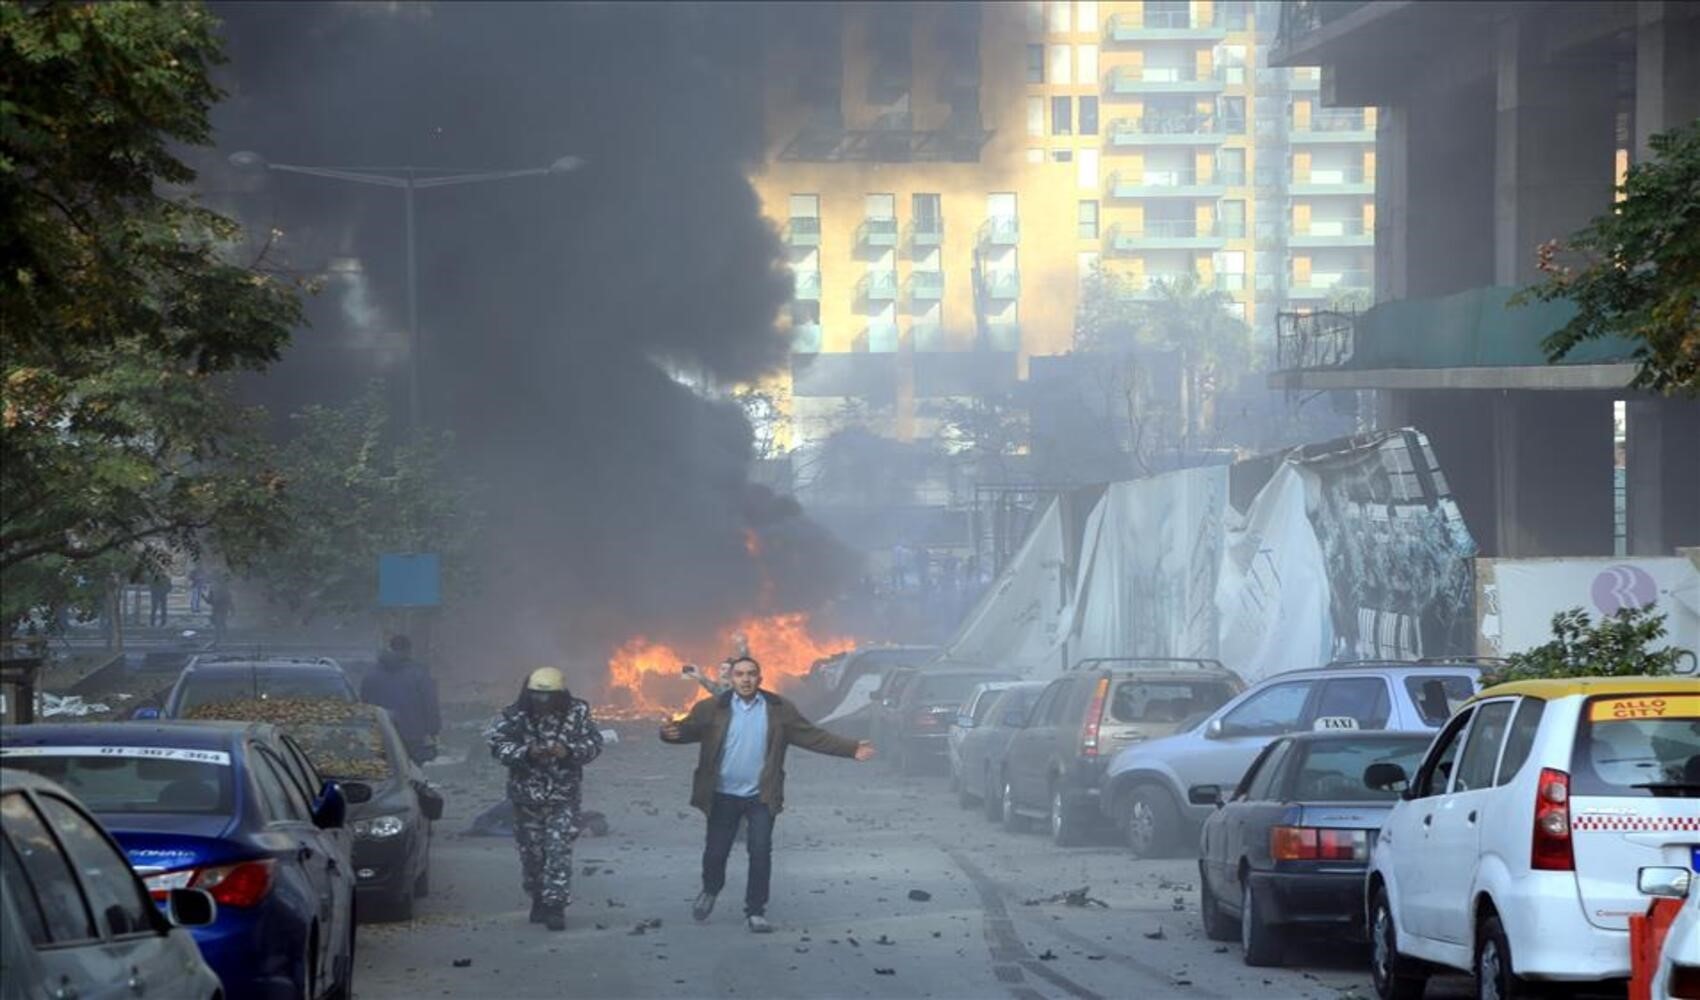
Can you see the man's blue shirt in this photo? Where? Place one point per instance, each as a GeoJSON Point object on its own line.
{"type": "Point", "coordinates": [745, 750]}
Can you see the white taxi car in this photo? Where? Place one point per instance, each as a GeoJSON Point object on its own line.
{"type": "Point", "coordinates": [1515, 849]}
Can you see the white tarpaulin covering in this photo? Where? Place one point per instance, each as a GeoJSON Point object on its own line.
{"type": "Point", "coordinates": [1020, 619]}
{"type": "Point", "coordinates": [1273, 591]}
{"type": "Point", "coordinates": [1149, 560]}
{"type": "Point", "coordinates": [1518, 597]}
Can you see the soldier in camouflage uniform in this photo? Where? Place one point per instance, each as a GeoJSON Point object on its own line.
{"type": "Point", "coordinates": [544, 739]}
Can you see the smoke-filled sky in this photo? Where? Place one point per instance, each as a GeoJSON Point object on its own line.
{"type": "Point", "coordinates": [619, 499]}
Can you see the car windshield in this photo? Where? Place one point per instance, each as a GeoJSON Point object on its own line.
{"type": "Point", "coordinates": [1644, 745]}
{"type": "Point", "coordinates": [1167, 701]}
{"type": "Point", "coordinates": [1439, 696]}
{"type": "Point", "coordinates": [342, 739]}
{"type": "Point", "coordinates": [203, 688]}
{"type": "Point", "coordinates": [132, 780]}
{"type": "Point", "coordinates": [951, 687]}
{"type": "Point", "coordinates": [1333, 771]}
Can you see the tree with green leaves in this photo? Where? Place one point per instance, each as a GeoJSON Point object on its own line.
{"type": "Point", "coordinates": [1634, 272]}
{"type": "Point", "coordinates": [356, 492]}
{"type": "Point", "coordinates": [122, 305]}
{"type": "Point", "coordinates": [1618, 645]}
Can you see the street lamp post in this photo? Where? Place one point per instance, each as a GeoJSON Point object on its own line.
{"type": "Point", "coordinates": [409, 179]}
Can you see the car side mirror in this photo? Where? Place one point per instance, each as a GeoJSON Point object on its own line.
{"type": "Point", "coordinates": [430, 803]}
{"type": "Point", "coordinates": [1215, 730]}
{"type": "Point", "coordinates": [356, 792]}
{"type": "Point", "coordinates": [190, 908]}
{"type": "Point", "coordinates": [144, 713]}
{"type": "Point", "coordinates": [1386, 777]}
{"type": "Point", "coordinates": [1015, 719]}
{"type": "Point", "coordinates": [332, 811]}
{"type": "Point", "coordinates": [1670, 883]}
{"type": "Point", "coordinates": [1205, 795]}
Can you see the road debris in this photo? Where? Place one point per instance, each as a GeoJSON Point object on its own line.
{"type": "Point", "coordinates": [920, 895]}
{"type": "Point", "coordinates": [463, 963]}
{"type": "Point", "coordinates": [1072, 897]}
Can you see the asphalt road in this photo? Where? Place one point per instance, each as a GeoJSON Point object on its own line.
{"type": "Point", "coordinates": [853, 842]}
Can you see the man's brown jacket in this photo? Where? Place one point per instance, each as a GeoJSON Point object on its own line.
{"type": "Point", "coordinates": [707, 725]}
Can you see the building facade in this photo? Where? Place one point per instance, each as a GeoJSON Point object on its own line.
{"type": "Point", "coordinates": [945, 176]}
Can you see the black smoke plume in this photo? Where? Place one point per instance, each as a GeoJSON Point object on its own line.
{"type": "Point", "coordinates": [620, 498]}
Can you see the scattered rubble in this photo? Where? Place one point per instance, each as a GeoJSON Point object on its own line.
{"type": "Point", "coordinates": [1072, 897]}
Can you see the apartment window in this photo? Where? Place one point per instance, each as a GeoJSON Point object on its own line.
{"type": "Point", "coordinates": [1059, 17]}
{"type": "Point", "coordinates": [1062, 156]}
{"type": "Point", "coordinates": [880, 206]}
{"type": "Point", "coordinates": [1230, 270]}
{"type": "Point", "coordinates": [1062, 116]}
{"type": "Point", "coordinates": [1230, 166]}
{"type": "Point", "coordinates": [1231, 60]}
{"type": "Point", "coordinates": [1086, 60]}
{"type": "Point", "coordinates": [1035, 116]}
{"type": "Point", "coordinates": [926, 213]}
{"type": "Point", "coordinates": [1088, 116]}
{"type": "Point", "coordinates": [1086, 169]}
{"type": "Point", "coordinates": [1086, 216]}
{"type": "Point", "coordinates": [805, 206]}
{"type": "Point", "coordinates": [1233, 114]}
{"type": "Point", "coordinates": [1057, 67]}
{"type": "Point", "coordinates": [1232, 215]}
{"type": "Point", "coordinates": [1035, 64]}
{"type": "Point", "coordinates": [1086, 15]}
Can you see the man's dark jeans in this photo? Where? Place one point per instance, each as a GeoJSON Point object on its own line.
{"type": "Point", "coordinates": [723, 821]}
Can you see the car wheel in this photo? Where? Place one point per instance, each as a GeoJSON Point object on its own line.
{"type": "Point", "coordinates": [1065, 822]}
{"type": "Point", "coordinates": [1395, 977]}
{"type": "Point", "coordinates": [1217, 925]}
{"type": "Point", "coordinates": [1260, 941]}
{"type": "Point", "coordinates": [1013, 821]}
{"type": "Point", "coordinates": [1149, 821]}
{"type": "Point", "coordinates": [1495, 978]}
{"type": "Point", "coordinates": [991, 798]}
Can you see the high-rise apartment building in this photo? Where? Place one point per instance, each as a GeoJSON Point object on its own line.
{"type": "Point", "coordinates": [946, 175]}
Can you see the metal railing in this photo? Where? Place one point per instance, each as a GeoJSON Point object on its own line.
{"type": "Point", "coordinates": [1335, 120]}
{"type": "Point", "coordinates": [806, 285]}
{"type": "Point", "coordinates": [803, 231]}
{"type": "Point", "coordinates": [926, 285]}
{"type": "Point", "coordinates": [877, 286]}
{"type": "Point", "coordinates": [1000, 231]}
{"type": "Point", "coordinates": [1310, 340]}
{"type": "Point", "coordinates": [877, 232]}
{"type": "Point", "coordinates": [1195, 124]}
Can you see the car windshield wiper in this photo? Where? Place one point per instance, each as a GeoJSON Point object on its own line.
{"type": "Point", "coordinates": [1675, 789]}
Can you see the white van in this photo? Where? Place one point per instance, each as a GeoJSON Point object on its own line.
{"type": "Point", "coordinates": [1516, 848]}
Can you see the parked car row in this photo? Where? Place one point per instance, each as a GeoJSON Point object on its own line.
{"type": "Point", "coordinates": [262, 816]}
{"type": "Point", "coordinates": [1512, 833]}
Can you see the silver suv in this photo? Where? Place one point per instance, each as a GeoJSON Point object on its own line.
{"type": "Point", "coordinates": [1145, 787]}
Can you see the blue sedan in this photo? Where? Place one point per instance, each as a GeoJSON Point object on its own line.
{"type": "Point", "coordinates": [235, 809]}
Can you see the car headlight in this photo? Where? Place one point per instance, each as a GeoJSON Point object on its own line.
{"type": "Point", "coordinates": [379, 827]}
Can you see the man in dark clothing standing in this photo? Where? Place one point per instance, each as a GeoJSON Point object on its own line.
{"type": "Point", "coordinates": [544, 739]}
{"type": "Point", "coordinates": [740, 777]}
{"type": "Point", "coordinates": [402, 686]}
{"type": "Point", "coordinates": [159, 598]}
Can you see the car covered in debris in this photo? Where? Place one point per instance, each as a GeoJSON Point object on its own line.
{"type": "Point", "coordinates": [75, 920]}
{"type": "Point", "coordinates": [1145, 788]}
{"type": "Point", "coordinates": [221, 678]}
{"type": "Point", "coordinates": [1517, 846]}
{"type": "Point", "coordinates": [391, 806]}
{"type": "Point", "coordinates": [236, 809]}
{"type": "Point", "coordinates": [1285, 851]}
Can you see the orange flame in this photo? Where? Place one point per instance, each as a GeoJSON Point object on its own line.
{"type": "Point", "coordinates": [644, 676]}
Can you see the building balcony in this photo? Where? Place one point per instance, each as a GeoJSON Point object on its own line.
{"type": "Point", "coordinates": [1160, 25]}
{"type": "Point", "coordinates": [926, 286]}
{"type": "Point", "coordinates": [1000, 232]}
{"type": "Point", "coordinates": [1333, 233]}
{"type": "Point", "coordinates": [1165, 234]}
{"type": "Point", "coordinates": [1155, 80]}
{"type": "Point", "coordinates": [1326, 182]}
{"type": "Point", "coordinates": [1165, 184]}
{"type": "Point", "coordinates": [1002, 285]}
{"type": "Point", "coordinates": [881, 338]}
{"type": "Point", "coordinates": [803, 231]}
{"type": "Point", "coordinates": [1335, 126]}
{"type": "Point", "coordinates": [1325, 285]}
{"type": "Point", "coordinates": [806, 286]}
{"type": "Point", "coordinates": [877, 286]}
{"type": "Point", "coordinates": [926, 234]}
{"type": "Point", "coordinates": [877, 233]}
{"type": "Point", "coordinates": [1168, 130]}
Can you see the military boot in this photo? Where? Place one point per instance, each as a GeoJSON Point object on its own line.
{"type": "Point", "coordinates": [555, 918]}
{"type": "Point", "coordinates": [538, 911]}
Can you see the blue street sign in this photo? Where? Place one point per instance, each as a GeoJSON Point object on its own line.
{"type": "Point", "coordinates": [409, 580]}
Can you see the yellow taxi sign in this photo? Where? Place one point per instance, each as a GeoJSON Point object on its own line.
{"type": "Point", "coordinates": [1645, 707]}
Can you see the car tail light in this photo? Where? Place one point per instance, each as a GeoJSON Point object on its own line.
{"type": "Point", "coordinates": [242, 884]}
{"type": "Point", "coordinates": [1094, 715]}
{"type": "Point", "coordinates": [1552, 850]}
{"type": "Point", "coordinates": [1309, 843]}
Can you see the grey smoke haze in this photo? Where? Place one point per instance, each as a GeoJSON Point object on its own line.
{"type": "Point", "coordinates": [619, 499]}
